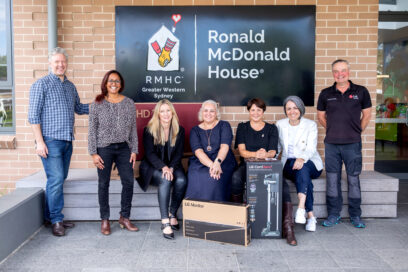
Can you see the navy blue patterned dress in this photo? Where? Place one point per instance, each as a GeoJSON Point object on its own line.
{"type": "Point", "coordinates": [200, 184]}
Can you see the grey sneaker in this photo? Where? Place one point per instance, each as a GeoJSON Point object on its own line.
{"type": "Point", "coordinates": [357, 222]}
{"type": "Point", "coordinates": [331, 221]}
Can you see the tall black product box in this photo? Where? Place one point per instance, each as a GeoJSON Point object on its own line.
{"type": "Point", "coordinates": [264, 197]}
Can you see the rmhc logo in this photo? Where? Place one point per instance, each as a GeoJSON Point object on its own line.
{"type": "Point", "coordinates": [163, 54]}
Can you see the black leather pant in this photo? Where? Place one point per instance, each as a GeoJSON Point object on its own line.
{"type": "Point", "coordinates": [179, 184]}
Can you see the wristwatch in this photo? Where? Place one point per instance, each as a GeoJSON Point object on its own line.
{"type": "Point", "coordinates": [219, 160]}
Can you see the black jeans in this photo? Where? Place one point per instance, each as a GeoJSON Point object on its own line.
{"type": "Point", "coordinates": [238, 180]}
{"type": "Point", "coordinates": [179, 183]}
{"type": "Point", "coordinates": [335, 155]}
{"type": "Point", "coordinates": [119, 154]}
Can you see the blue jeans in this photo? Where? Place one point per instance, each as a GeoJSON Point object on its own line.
{"type": "Point", "coordinates": [118, 153]}
{"type": "Point", "coordinates": [335, 155]}
{"type": "Point", "coordinates": [56, 167]}
{"type": "Point", "coordinates": [303, 179]}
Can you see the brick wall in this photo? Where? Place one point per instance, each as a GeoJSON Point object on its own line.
{"type": "Point", "coordinates": [344, 29]}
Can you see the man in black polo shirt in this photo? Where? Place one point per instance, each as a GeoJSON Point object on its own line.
{"type": "Point", "coordinates": [344, 109]}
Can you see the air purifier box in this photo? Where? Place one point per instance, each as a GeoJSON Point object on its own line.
{"type": "Point", "coordinates": [264, 197]}
{"type": "Point", "coordinates": [216, 221]}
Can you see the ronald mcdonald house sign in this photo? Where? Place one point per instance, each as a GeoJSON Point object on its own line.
{"type": "Point", "coordinates": [229, 54]}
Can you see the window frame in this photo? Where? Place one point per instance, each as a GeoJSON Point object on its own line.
{"type": "Point", "coordinates": [388, 2]}
{"type": "Point", "coordinates": [9, 83]}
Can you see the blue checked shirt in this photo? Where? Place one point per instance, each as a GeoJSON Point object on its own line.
{"type": "Point", "coordinates": [53, 104]}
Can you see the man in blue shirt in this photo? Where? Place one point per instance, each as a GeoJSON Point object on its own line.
{"type": "Point", "coordinates": [54, 101]}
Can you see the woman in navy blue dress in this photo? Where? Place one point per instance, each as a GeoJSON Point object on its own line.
{"type": "Point", "coordinates": [211, 167]}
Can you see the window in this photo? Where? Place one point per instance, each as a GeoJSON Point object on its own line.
{"type": "Point", "coordinates": [6, 69]}
{"type": "Point", "coordinates": [391, 123]}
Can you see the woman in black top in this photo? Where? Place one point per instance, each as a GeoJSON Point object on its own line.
{"type": "Point", "coordinates": [258, 139]}
{"type": "Point", "coordinates": [163, 141]}
{"type": "Point", "coordinates": [254, 139]}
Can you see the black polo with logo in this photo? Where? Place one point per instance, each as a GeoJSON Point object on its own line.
{"type": "Point", "coordinates": [343, 112]}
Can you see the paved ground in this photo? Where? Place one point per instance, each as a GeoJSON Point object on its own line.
{"type": "Point", "coordinates": [382, 246]}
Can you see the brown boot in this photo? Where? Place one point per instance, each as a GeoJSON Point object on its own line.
{"type": "Point", "coordinates": [287, 225]}
{"type": "Point", "coordinates": [236, 198]}
{"type": "Point", "coordinates": [125, 223]}
{"type": "Point", "coordinates": [105, 227]}
{"type": "Point", "coordinates": [58, 229]}
{"type": "Point", "coordinates": [67, 225]}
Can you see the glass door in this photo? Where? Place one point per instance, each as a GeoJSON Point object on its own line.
{"type": "Point", "coordinates": [391, 126]}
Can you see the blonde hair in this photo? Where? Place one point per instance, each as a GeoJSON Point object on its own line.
{"type": "Point", "coordinates": [212, 102]}
{"type": "Point", "coordinates": [157, 130]}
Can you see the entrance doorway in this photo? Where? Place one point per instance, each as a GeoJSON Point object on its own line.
{"type": "Point", "coordinates": [391, 125]}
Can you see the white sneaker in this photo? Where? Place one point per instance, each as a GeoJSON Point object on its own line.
{"type": "Point", "coordinates": [300, 217]}
{"type": "Point", "coordinates": [311, 224]}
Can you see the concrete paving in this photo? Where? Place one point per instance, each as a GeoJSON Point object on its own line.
{"type": "Point", "coordinates": [382, 246]}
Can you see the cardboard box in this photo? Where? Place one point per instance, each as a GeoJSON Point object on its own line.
{"type": "Point", "coordinates": [216, 221]}
{"type": "Point", "coordinates": [264, 197]}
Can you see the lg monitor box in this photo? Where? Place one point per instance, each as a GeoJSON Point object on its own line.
{"type": "Point", "coordinates": [264, 197]}
{"type": "Point", "coordinates": [216, 221]}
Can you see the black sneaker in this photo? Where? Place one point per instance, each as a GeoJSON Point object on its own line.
{"type": "Point", "coordinates": [357, 222]}
{"type": "Point", "coordinates": [331, 221]}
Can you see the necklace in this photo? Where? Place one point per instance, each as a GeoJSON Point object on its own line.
{"type": "Point", "coordinates": [209, 148]}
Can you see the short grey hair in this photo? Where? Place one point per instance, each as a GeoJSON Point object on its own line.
{"type": "Point", "coordinates": [339, 61]}
{"type": "Point", "coordinates": [212, 102]}
{"type": "Point", "coordinates": [57, 50]}
{"type": "Point", "coordinates": [298, 102]}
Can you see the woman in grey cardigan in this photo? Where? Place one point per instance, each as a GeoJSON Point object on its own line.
{"type": "Point", "coordinates": [112, 139]}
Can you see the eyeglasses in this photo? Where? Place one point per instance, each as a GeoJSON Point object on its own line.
{"type": "Point", "coordinates": [114, 81]}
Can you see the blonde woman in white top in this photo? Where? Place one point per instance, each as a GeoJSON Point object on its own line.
{"type": "Point", "coordinates": [302, 163]}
